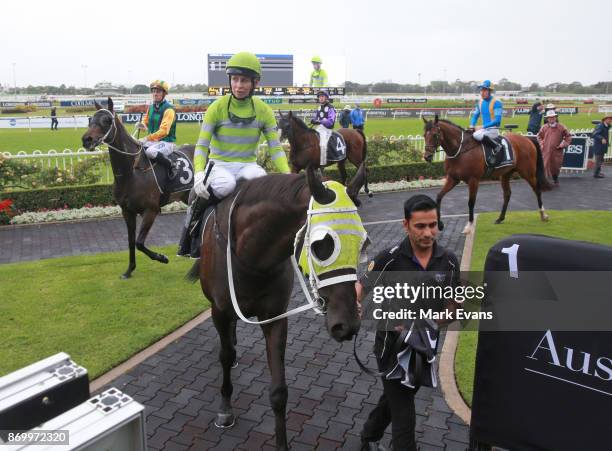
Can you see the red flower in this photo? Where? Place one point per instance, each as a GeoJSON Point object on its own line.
{"type": "Point", "coordinates": [5, 205]}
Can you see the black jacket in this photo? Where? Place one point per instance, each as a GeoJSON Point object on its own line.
{"type": "Point", "coordinates": [535, 120]}
{"type": "Point", "coordinates": [398, 264]}
{"type": "Point", "coordinates": [345, 119]}
{"type": "Point", "coordinates": [600, 132]}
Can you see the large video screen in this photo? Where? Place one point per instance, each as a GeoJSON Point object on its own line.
{"type": "Point", "coordinates": [277, 70]}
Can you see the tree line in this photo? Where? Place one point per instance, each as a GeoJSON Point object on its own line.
{"type": "Point", "coordinates": [434, 87]}
{"type": "Point", "coordinates": [466, 87]}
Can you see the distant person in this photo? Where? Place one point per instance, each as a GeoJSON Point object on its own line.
{"type": "Point", "coordinates": [548, 107]}
{"type": "Point", "coordinates": [160, 121]}
{"type": "Point", "coordinates": [318, 77]}
{"type": "Point", "coordinates": [601, 136]}
{"type": "Point", "coordinates": [324, 119]}
{"type": "Point", "coordinates": [345, 117]}
{"type": "Point", "coordinates": [535, 118]}
{"type": "Point", "coordinates": [491, 110]}
{"type": "Point", "coordinates": [54, 121]}
{"type": "Point", "coordinates": [554, 137]}
{"type": "Point", "coordinates": [357, 117]}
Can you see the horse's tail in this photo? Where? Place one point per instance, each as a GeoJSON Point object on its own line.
{"type": "Point", "coordinates": [364, 158]}
{"type": "Point", "coordinates": [542, 182]}
{"type": "Point", "coordinates": [194, 273]}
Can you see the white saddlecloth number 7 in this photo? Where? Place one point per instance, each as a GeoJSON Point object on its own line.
{"type": "Point", "coordinates": [512, 251]}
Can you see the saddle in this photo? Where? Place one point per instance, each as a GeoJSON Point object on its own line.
{"type": "Point", "coordinates": [504, 157]}
{"type": "Point", "coordinates": [183, 180]}
{"type": "Point", "coordinates": [336, 148]}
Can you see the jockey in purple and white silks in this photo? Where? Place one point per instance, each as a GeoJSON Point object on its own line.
{"type": "Point", "coordinates": [324, 118]}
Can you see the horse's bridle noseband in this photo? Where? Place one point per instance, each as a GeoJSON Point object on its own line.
{"type": "Point", "coordinates": [104, 139]}
{"type": "Point", "coordinates": [112, 127]}
{"type": "Point", "coordinates": [438, 142]}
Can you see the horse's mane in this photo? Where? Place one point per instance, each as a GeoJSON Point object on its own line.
{"type": "Point", "coordinates": [430, 124]}
{"type": "Point", "coordinates": [302, 124]}
{"type": "Point", "coordinates": [284, 189]}
{"type": "Point", "coordinates": [128, 135]}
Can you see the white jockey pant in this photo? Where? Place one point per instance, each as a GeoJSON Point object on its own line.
{"type": "Point", "coordinates": [224, 176]}
{"type": "Point", "coordinates": [490, 132]}
{"type": "Point", "coordinates": [324, 135]}
{"type": "Point", "coordinates": [152, 148]}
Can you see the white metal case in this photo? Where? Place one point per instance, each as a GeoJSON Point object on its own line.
{"type": "Point", "coordinates": [111, 421]}
{"type": "Point", "coordinates": [41, 391]}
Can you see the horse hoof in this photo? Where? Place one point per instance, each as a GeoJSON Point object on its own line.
{"type": "Point", "coordinates": [163, 259]}
{"type": "Point", "coordinates": [498, 221]}
{"type": "Point", "coordinates": [235, 364]}
{"type": "Point", "coordinates": [370, 194]}
{"type": "Point", "coordinates": [126, 275]}
{"type": "Point", "coordinates": [545, 218]}
{"type": "Point", "coordinates": [225, 420]}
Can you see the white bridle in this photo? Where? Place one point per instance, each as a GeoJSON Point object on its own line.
{"type": "Point", "coordinates": [113, 128]}
{"type": "Point", "coordinates": [318, 304]}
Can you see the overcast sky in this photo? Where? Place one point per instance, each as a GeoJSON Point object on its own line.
{"type": "Point", "coordinates": [128, 42]}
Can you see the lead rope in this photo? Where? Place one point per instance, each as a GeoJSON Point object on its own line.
{"type": "Point", "coordinates": [230, 279]}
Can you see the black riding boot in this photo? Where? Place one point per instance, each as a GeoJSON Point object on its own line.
{"type": "Point", "coordinates": [491, 160]}
{"type": "Point", "coordinates": [190, 242]}
{"type": "Point", "coordinates": [168, 164]}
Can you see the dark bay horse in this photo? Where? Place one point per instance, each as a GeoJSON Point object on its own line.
{"type": "Point", "coordinates": [266, 215]}
{"type": "Point", "coordinates": [465, 162]}
{"type": "Point", "coordinates": [305, 149]}
{"type": "Point", "coordinates": [134, 189]}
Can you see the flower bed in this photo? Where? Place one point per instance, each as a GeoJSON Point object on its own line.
{"type": "Point", "coordinates": [87, 212]}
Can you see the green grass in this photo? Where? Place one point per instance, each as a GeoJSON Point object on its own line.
{"type": "Point", "coordinates": [79, 305]}
{"type": "Point", "coordinates": [15, 140]}
{"type": "Point", "coordinates": [563, 224]}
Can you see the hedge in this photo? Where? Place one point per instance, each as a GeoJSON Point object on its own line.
{"type": "Point", "coordinates": [60, 197]}
{"type": "Point", "coordinates": [19, 109]}
{"type": "Point", "coordinates": [79, 196]}
{"type": "Point", "coordinates": [394, 172]}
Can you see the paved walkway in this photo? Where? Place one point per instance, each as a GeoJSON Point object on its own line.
{"type": "Point", "coordinates": [329, 397]}
{"type": "Point", "coordinates": [54, 240]}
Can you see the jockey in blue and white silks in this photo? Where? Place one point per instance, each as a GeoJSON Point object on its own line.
{"type": "Point", "coordinates": [491, 111]}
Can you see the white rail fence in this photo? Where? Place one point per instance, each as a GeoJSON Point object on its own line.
{"type": "Point", "coordinates": [67, 159]}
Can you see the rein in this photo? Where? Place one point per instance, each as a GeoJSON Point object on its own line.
{"type": "Point", "coordinates": [458, 152]}
{"type": "Point", "coordinates": [459, 149]}
{"type": "Point", "coordinates": [113, 127]}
